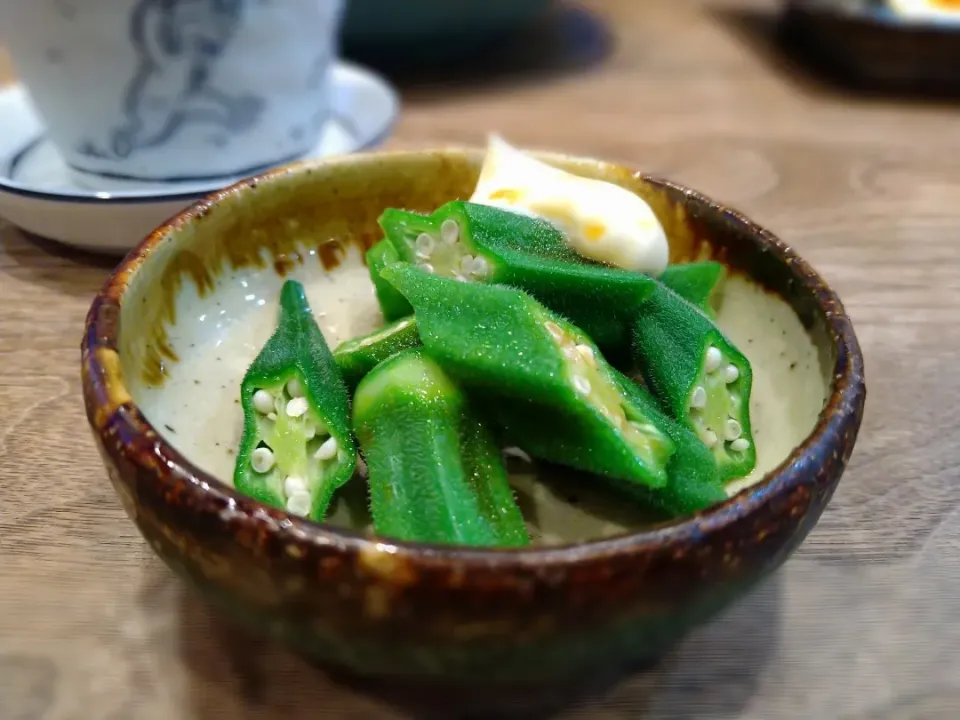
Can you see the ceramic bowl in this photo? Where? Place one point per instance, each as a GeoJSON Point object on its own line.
{"type": "Point", "coordinates": [169, 337]}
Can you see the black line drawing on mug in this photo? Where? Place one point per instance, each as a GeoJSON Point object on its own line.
{"type": "Point", "coordinates": [178, 43]}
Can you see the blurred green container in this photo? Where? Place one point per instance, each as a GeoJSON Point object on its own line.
{"type": "Point", "coordinates": [433, 27]}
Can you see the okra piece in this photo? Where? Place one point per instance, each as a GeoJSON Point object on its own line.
{"type": "Point", "coordinates": [473, 242]}
{"type": "Point", "coordinates": [359, 356]}
{"type": "Point", "coordinates": [700, 378]}
{"type": "Point", "coordinates": [393, 305]}
{"type": "Point", "coordinates": [434, 470]}
{"type": "Point", "coordinates": [539, 377]}
{"type": "Point", "coordinates": [693, 483]}
{"type": "Point", "coordinates": [296, 448]}
{"type": "Point", "coordinates": [699, 283]}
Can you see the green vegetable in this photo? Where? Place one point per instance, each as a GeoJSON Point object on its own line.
{"type": "Point", "coordinates": [541, 378]}
{"type": "Point", "coordinates": [296, 448]}
{"type": "Point", "coordinates": [475, 242]}
{"type": "Point", "coordinates": [392, 304]}
{"type": "Point", "coordinates": [435, 473]}
{"type": "Point", "coordinates": [693, 483]}
{"type": "Point", "coordinates": [699, 377]}
{"type": "Point", "coordinates": [699, 283]}
{"type": "Point", "coordinates": [359, 356]}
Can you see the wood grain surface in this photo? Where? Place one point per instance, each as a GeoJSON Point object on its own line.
{"type": "Point", "coordinates": [864, 620]}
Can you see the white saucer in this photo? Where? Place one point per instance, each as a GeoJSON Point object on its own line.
{"type": "Point", "coordinates": [38, 194]}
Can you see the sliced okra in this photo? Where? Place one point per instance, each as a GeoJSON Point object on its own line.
{"type": "Point", "coordinates": [542, 379]}
{"type": "Point", "coordinates": [358, 356]}
{"type": "Point", "coordinates": [434, 470]}
{"type": "Point", "coordinates": [472, 242]}
{"type": "Point", "coordinates": [699, 283]}
{"type": "Point", "coordinates": [698, 376]}
{"type": "Point", "coordinates": [393, 306]}
{"type": "Point", "coordinates": [296, 448]}
{"type": "Point", "coordinates": [693, 483]}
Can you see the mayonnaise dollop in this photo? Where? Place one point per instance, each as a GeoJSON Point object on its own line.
{"type": "Point", "coordinates": [601, 221]}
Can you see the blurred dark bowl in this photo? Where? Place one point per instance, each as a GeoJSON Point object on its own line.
{"type": "Point", "coordinates": [431, 29]}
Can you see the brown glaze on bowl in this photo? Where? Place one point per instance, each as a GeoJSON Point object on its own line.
{"type": "Point", "coordinates": [455, 615]}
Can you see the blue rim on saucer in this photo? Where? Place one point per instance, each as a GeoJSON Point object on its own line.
{"type": "Point", "coordinates": [24, 155]}
{"type": "Point", "coordinates": [358, 128]}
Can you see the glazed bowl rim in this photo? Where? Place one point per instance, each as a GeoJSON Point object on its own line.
{"type": "Point", "coordinates": [108, 400]}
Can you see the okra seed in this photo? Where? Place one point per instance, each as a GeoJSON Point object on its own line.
{"type": "Point", "coordinates": [263, 401]}
{"type": "Point", "coordinates": [328, 450]}
{"type": "Point", "coordinates": [272, 416]}
{"type": "Point", "coordinates": [299, 503]}
{"type": "Point", "coordinates": [730, 374]}
{"type": "Point", "coordinates": [516, 452]}
{"type": "Point", "coordinates": [698, 399]}
{"type": "Point", "coordinates": [296, 407]}
{"type": "Point", "coordinates": [581, 384]}
{"type": "Point", "coordinates": [459, 276]}
{"type": "Point", "coordinates": [645, 429]}
{"type": "Point", "coordinates": [740, 445]}
{"type": "Point", "coordinates": [424, 244]}
{"type": "Point", "coordinates": [709, 438]}
{"type": "Point", "coordinates": [309, 431]}
{"type": "Point", "coordinates": [555, 332]}
{"type": "Point", "coordinates": [294, 388]}
{"type": "Point", "coordinates": [732, 430]}
{"type": "Point", "coordinates": [261, 460]}
{"type": "Point", "coordinates": [616, 418]}
{"type": "Point", "coordinates": [714, 358]}
{"type": "Point", "coordinates": [449, 231]}
{"type": "Point", "coordinates": [427, 267]}
{"type": "Point", "coordinates": [466, 264]}
{"type": "Point", "coordinates": [293, 485]}
{"type": "Point", "coordinates": [480, 266]}
{"type": "Point", "coordinates": [586, 352]}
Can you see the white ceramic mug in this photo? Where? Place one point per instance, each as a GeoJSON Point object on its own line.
{"type": "Point", "coordinates": [171, 90]}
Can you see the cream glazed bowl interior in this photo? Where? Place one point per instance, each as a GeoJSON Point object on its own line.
{"type": "Point", "coordinates": [171, 335]}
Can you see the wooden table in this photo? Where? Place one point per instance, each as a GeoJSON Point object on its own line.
{"type": "Point", "coordinates": [863, 622]}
